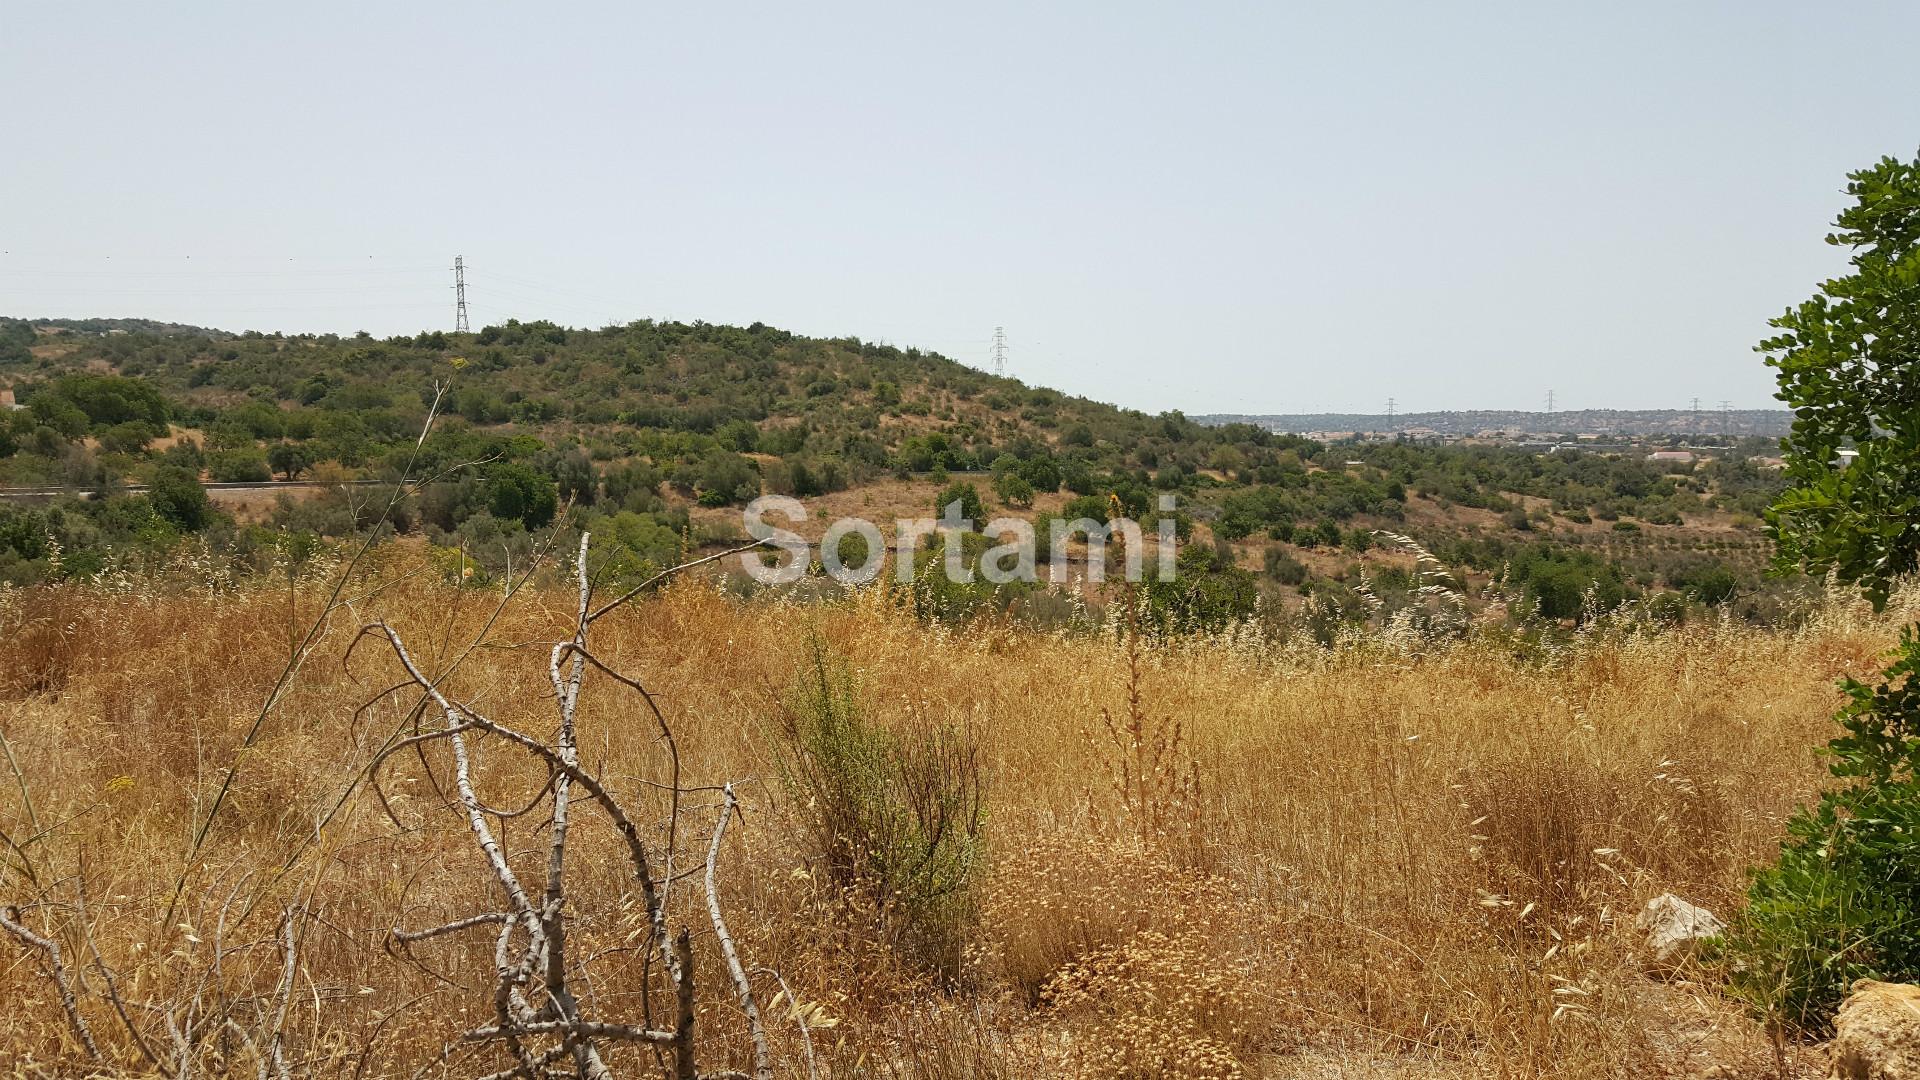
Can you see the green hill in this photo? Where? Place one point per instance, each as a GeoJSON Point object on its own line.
{"type": "Point", "coordinates": [816, 397]}
{"type": "Point", "coordinates": [646, 424]}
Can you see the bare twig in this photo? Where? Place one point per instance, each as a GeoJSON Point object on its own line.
{"type": "Point", "coordinates": [452, 927]}
{"type": "Point", "coordinates": [282, 994]}
{"type": "Point", "coordinates": [670, 572]}
{"type": "Point", "coordinates": [683, 1067]}
{"type": "Point", "coordinates": [574, 1027]}
{"type": "Point", "coordinates": [57, 971]}
{"type": "Point", "coordinates": [106, 973]}
{"type": "Point", "coordinates": [799, 1016]}
{"type": "Point", "coordinates": [533, 1001]}
{"type": "Point", "coordinates": [762, 1065]}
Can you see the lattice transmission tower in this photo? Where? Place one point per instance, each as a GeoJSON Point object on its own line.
{"type": "Point", "coordinates": [459, 294]}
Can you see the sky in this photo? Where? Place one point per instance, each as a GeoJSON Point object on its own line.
{"type": "Point", "coordinates": [1268, 208]}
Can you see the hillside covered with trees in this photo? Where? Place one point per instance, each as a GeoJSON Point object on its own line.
{"type": "Point", "coordinates": [656, 428]}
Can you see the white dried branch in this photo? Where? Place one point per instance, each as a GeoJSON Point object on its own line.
{"type": "Point", "coordinates": [282, 995]}
{"type": "Point", "coordinates": [799, 1016]}
{"type": "Point", "coordinates": [106, 973]}
{"type": "Point", "coordinates": [463, 782]}
{"type": "Point", "coordinates": [538, 960]}
{"type": "Point", "coordinates": [567, 696]}
{"type": "Point", "coordinates": [762, 1064]}
{"type": "Point", "coordinates": [57, 971]}
{"type": "Point", "coordinates": [509, 1004]}
{"type": "Point", "coordinates": [456, 926]}
{"type": "Point", "coordinates": [232, 1027]}
{"type": "Point", "coordinates": [630, 833]}
{"type": "Point", "coordinates": [576, 1028]}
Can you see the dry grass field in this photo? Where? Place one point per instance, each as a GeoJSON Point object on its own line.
{"type": "Point", "coordinates": [1279, 861]}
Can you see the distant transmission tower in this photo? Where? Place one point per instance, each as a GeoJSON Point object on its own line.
{"type": "Point", "coordinates": [1000, 351]}
{"type": "Point", "coordinates": [1389, 412]}
{"type": "Point", "coordinates": [459, 294]}
{"type": "Point", "coordinates": [1549, 403]}
{"type": "Point", "coordinates": [1726, 419]}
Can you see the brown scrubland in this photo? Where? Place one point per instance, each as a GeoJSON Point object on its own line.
{"type": "Point", "coordinates": [1210, 857]}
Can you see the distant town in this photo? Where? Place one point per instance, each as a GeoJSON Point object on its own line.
{"type": "Point", "coordinates": [1513, 426]}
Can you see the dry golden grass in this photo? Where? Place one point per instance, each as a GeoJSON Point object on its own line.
{"type": "Point", "coordinates": [1387, 861]}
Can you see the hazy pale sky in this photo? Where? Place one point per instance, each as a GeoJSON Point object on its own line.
{"type": "Point", "coordinates": [1217, 208]}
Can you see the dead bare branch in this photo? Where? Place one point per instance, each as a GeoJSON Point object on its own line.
{"type": "Point", "coordinates": [453, 927]}
{"type": "Point", "coordinates": [533, 999]}
{"type": "Point", "coordinates": [57, 971]}
{"type": "Point", "coordinates": [762, 1064]}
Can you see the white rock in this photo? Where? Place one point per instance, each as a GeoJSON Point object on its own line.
{"type": "Point", "coordinates": [1674, 928]}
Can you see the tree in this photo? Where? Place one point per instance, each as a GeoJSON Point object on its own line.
{"type": "Point", "coordinates": [177, 496]}
{"type": "Point", "coordinates": [107, 399]}
{"type": "Point", "coordinates": [1013, 489]}
{"type": "Point", "coordinates": [16, 337]}
{"type": "Point", "coordinates": [130, 437]}
{"type": "Point", "coordinates": [574, 475]}
{"type": "Point", "coordinates": [53, 411]}
{"type": "Point", "coordinates": [288, 459]}
{"type": "Point", "coordinates": [723, 477]}
{"type": "Point", "coordinates": [516, 492]}
{"type": "Point", "coordinates": [1843, 902]}
{"type": "Point", "coordinates": [1041, 471]}
{"type": "Point", "coordinates": [960, 491]}
{"type": "Point", "coordinates": [1849, 365]}
{"type": "Point", "coordinates": [1206, 593]}
{"type": "Point", "coordinates": [243, 465]}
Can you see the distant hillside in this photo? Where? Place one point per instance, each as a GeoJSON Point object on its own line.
{"type": "Point", "coordinates": [125, 326]}
{"type": "Point", "coordinates": [663, 375]}
{"type": "Point", "coordinates": [649, 434]}
{"type": "Point", "coordinates": [1743, 422]}
{"type": "Point", "coordinates": [723, 412]}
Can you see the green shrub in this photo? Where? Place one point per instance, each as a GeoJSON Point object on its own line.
{"type": "Point", "coordinates": [1013, 489]}
{"type": "Point", "coordinates": [894, 814]}
{"type": "Point", "coordinates": [245, 465]}
{"type": "Point", "coordinates": [971, 507]}
{"type": "Point", "coordinates": [1283, 567]}
{"type": "Point", "coordinates": [130, 437]}
{"type": "Point", "coordinates": [177, 496]}
{"type": "Point", "coordinates": [1843, 902]}
{"type": "Point", "coordinates": [1206, 593]}
{"type": "Point", "coordinates": [516, 492]}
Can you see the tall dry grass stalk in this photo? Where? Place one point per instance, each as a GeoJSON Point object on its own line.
{"type": "Point", "coordinates": [1425, 859]}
